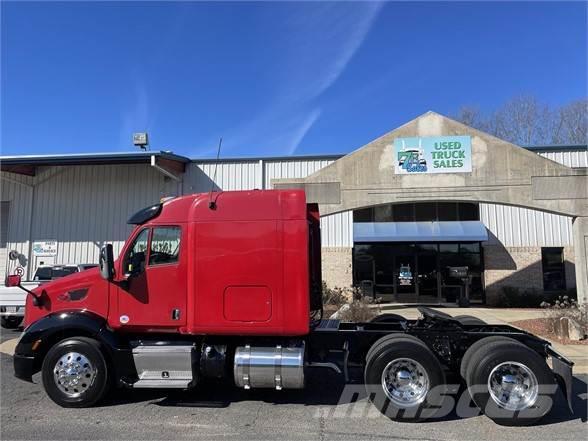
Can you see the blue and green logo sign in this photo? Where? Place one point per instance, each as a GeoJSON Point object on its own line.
{"type": "Point", "coordinates": [439, 154]}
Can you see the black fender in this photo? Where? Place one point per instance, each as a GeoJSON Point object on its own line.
{"type": "Point", "coordinates": [40, 336]}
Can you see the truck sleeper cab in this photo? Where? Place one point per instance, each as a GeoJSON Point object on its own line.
{"type": "Point", "coordinates": [227, 286]}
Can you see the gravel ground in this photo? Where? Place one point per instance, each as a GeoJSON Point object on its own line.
{"type": "Point", "coordinates": [310, 414]}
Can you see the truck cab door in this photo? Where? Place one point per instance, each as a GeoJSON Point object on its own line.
{"type": "Point", "coordinates": [152, 293]}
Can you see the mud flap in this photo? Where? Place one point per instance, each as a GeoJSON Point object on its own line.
{"type": "Point", "coordinates": [562, 368]}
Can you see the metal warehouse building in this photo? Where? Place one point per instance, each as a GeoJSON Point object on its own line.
{"type": "Point", "coordinates": [397, 214]}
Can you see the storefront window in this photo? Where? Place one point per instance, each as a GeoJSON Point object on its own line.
{"type": "Point", "coordinates": [418, 272]}
{"type": "Point", "coordinates": [469, 247]}
{"type": "Point", "coordinates": [419, 212]}
{"type": "Point", "coordinates": [383, 213]}
{"type": "Point", "coordinates": [425, 212]}
{"type": "Point", "coordinates": [468, 212]}
{"type": "Point", "coordinates": [552, 261]}
{"type": "Point", "coordinates": [404, 213]}
{"type": "Point", "coordinates": [363, 215]}
{"type": "Point", "coordinates": [447, 211]}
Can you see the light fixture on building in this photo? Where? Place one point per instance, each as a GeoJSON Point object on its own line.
{"type": "Point", "coordinates": [141, 140]}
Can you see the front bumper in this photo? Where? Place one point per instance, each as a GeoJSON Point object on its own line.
{"type": "Point", "coordinates": [562, 368]}
{"type": "Point", "coordinates": [24, 367]}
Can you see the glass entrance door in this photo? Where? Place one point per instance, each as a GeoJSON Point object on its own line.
{"type": "Point", "coordinates": [405, 278]}
{"type": "Point", "coordinates": [428, 274]}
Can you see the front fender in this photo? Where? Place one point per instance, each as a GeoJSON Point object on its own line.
{"type": "Point", "coordinates": [41, 335]}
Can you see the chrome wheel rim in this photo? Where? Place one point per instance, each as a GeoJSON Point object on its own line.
{"type": "Point", "coordinates": [405, 382]}
{"type": "Point", "coordinates": [513, 386]}
{"type": "Point", "coordinates": [73, 374]}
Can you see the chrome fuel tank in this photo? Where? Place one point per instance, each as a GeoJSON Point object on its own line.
{"type": "Point", "coordinates": [269, 367]}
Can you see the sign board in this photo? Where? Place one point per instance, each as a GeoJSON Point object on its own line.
{"type": "Point", "coordinates": [45, 248]}
{"type": "Point", "coordinates": [438, 154]}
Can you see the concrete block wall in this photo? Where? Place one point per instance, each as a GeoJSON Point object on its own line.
{"type": "Point", "coordinates": [337, 266]}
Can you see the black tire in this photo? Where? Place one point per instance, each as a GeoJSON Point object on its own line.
{"type": "Point", "coordinates": [465, 361]}
{"type": "Point", "coordinates": [386, 351]}
{"type": "Point", "coordinates": [378, 344]}
{"type": "Point", "coordinates": [11, 322]}
{"type": "Point", "coordinates": [470, 358]}
{"type": "Point", "coordinates": [88, 394]}
{"type": "Point", "coordinates": [388, 318]}
{"type": "Point", "coordinates": [493, 354]}
{"type": "Point", "coordinates": [469, 320]}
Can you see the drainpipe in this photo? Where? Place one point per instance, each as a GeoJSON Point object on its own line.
{"type": "Point", "coordinates": [31, 217]}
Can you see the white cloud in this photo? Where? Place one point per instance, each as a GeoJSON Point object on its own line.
{"type": "Point", "coordinates": [319, 41]}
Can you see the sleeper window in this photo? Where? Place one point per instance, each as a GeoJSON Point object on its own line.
{"type": "Point", "coordinates": [165, 245]}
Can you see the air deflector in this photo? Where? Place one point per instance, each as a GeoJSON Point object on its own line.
{"type": "Point", "coordinates": [142, 216]}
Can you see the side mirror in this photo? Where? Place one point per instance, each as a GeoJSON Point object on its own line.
{"type": "Point", "coordinates": [13, 280]}
{"type": "Point", "coordinates": [106, 262]}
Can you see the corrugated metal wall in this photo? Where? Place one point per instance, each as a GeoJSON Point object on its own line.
{"type": "Point", "coordinates": [522, 227]}
{"type": "Point", "coordinates": [81, 207]}
{"type": "Point", "coordinates": [577, 158]}
{"type": "Point", "coordinates": [238, 175]}
{"type": "Point", "coordinates": [519, 227]}
{"type": "Point", "coordinates": [17, 191]}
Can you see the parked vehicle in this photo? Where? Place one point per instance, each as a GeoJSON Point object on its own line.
{"type": "Point", "coordinates": [12, 299]}
{"type": "Point", "coordinates": [227, 286]}
{"type": "Point", "coordinates": [45, 273]}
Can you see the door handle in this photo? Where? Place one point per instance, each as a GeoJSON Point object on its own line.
{"type": "Point", "coordinates": [175, 314]}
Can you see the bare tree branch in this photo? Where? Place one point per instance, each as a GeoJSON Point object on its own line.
{"type": "Point", "coordinates": [524, 120]}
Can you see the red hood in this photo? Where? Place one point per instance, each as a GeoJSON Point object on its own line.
{"type": "Point", "coordinates": [85, 290]}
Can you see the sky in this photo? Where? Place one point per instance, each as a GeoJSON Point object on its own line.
{"type": "Point", "coordinates": [270, 78]}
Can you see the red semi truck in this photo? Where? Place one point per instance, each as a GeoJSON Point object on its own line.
{"type": "Point", "coordinates": [227, 286]}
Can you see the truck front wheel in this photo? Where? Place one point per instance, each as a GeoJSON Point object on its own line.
{"type": "Point", "coordinates": [75, 373]}
{"type": "Point", "coordinates": [403, 379]}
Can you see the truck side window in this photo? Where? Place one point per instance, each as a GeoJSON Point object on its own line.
{"type": "Point", "coordinates": [165, 245]}
{"type": "Point", "coordinates": [135, 259]}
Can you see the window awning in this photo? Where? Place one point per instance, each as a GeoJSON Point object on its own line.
{"type": "Point", "coordinates": [458, 231]}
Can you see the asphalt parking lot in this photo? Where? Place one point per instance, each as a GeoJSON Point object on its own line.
{"type": "Point", "coordinates": [310, 414]}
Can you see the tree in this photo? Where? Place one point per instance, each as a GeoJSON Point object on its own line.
{"type": "Point", "coordinates": [523, 120]}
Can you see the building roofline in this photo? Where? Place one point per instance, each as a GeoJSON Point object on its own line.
{"type": "Point", "coordinates": [269, 158]}
{"type": "Point", "coordinates": [557, 148]}
{"type": "Point", "coordinates": [91, 158]}
{"type": "Point", "coordinates": [139, 157]}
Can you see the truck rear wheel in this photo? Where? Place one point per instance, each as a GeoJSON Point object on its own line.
{"type": "Point", "coordinates": [510, 383]}
{"type": "Point", "coordinates": [465, 361]}
{"type": "Point", "coordinates": [75, 373]}
{"type": "Point", "coordinates": [402, 378]}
